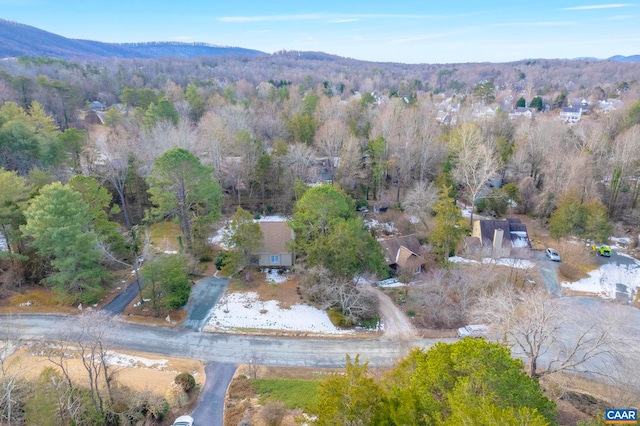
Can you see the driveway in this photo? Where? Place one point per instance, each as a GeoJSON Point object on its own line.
{"type": "Point", "coordinates": [549, 273]}
{"type": "Point", "coordinates": [210, 409]}
{"type": "Point", "coordinates": [121, 301]}
{"type": "Point", "coordinates": [205, 295]}
{"type": "Point", "coordinates": [396, 324]}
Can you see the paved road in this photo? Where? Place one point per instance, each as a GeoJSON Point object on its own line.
{"type": "Point", "coordinates": [226, 348]}
{"type": "Point", "coordinates": [210, 408]}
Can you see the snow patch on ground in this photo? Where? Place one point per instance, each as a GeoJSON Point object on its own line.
{"type": "Point", "coordinates": [221, 236]}
{"type": "Point", "coordinates": [512, 263]}
{"type": "Point", "coordinates": [390, 283]}
{"type": "Point", "coordinates": [620, 243]}
{"type": "Point", "coordinates": [603, 280]}
{"type": "Point", "coordinates": [245, 310]}
{"type": "Point", "coordinates": [275, 276]}
{"type": "Point", "coordinates": [273, 219]}
{"type": "Point", "coordinates": [466, 212]}
{"type": "Point", "coordinates": [123, 360]}
{"type": "Point", "coordinates": [386, 227]}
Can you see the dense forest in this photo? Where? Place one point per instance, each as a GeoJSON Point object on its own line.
{"type": "Point", "coordinates": [253, 133]}
{"type": "Point", "coordinates": [92, 152]}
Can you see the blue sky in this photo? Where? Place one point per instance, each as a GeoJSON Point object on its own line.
{"type": "Point", "coordinates": [390, 31]}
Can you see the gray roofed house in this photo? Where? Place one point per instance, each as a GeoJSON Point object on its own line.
{"type": "Point", "coordinates": [498, 238]}
{"type": "Point", "coordinates": [571, 114]}
{"type": "Point", "coordinates": [403, 253]}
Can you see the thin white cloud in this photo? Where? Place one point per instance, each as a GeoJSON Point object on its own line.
{"type": "Point", "coordinates": [598, 6]}
{"type": "Point", "coordinates": [272, 18]}
{"type": "Point", "coordinates": [332, 18]}
{"type": "Point", "coordinates": [431, 36]}
{"type": "Point", "coordinates": [534, 24]}
{"type": "Point", "coordinates": [345, 20]}
{"type": "Point", "coordinates": [620, 17]}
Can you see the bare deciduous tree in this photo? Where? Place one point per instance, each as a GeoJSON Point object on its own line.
{"type": "Point", "coordinates": [538, 327]}
{"type": "Point", "coordinates": [116, 150]}
{"type": "Point", "coordinates": [328, 291]}
{"type": "Point", "coordinates": [475, 163]}
{"type": "Point", "coordinates": [87, 336]}
{"type": "Point", "coordinates": [329, 139]}
{"type": "Point", "coordinates": [419, 201]}
{"type": "Point", "coordinates": [350, 170]}
{"type": "Point", "coordinates": [11, 382]}
{"type": "Point", "coordinates": [214, 141]}
{"type": "Point", "coordinates": [623, 164]}
{"type": "Point", "coordinates": [447, 295]}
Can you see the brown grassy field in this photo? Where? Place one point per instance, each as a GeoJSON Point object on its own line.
{"type": "Point", "coordinates": [144, 372]}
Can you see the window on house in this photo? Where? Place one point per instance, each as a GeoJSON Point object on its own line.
{"type": "Point", "coordinates": [275, 259]}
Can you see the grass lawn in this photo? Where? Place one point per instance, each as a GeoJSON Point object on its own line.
{"type": "Point", "coordinates": [293, 393]}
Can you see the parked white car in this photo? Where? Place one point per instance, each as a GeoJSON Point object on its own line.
{"type": "Point", "coordinates": [183, 421]}
{"type": "Point", "coordinates": [473, 330]}
{"type": "Point", "coordinates": [552, 254]}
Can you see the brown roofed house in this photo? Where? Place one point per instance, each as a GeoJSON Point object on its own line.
{"type": "Point", "coordinates": [497, 238]}
{"type": "Point", "coordinates": [403, 253]}
{"type": "Point", "coordinates": [274, 251]}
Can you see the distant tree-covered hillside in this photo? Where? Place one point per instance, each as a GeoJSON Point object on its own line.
{"type": "Point", "coordinates": [23, 40]}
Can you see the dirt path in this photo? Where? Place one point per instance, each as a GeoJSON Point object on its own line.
{"type": "Point", "coordinates": [396, 324]}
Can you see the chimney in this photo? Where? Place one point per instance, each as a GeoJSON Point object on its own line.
{"type": "Point", "coordinates": [498, 234]}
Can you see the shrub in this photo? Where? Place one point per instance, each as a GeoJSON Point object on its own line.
{"type": "Point", "coordinates": [570, 272]}
{"type": "Point", "coordinates": [206, 256]}
{"type": "Point", "coordinates": [178, 295]}
{"type": "Point", "coordinates": [176, 396]}
{"type": "Point", "coordinates": [339, 319]}
{"type": "Point", "coordinates": [370, 323]}
{"type": "Point", "coordinates": [220, 259]}
{"type": "Point", "coordinates": [186, 381]}
{"type": "Point", "coordinates": [361, 204]}
{"type": "Point", "coordinates": [273, 413]}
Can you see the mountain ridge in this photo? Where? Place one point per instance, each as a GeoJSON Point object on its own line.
{"type": "Point", "coordinates": [17, 39]}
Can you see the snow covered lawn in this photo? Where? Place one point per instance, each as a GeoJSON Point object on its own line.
{"type": "Point", "coordinates": [512, 263]}
{"type": "Point", "coordinates": [603, 280]}
{"type": "Point", "coordinates": [244, 310]}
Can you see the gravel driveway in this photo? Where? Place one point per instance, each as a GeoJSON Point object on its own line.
{"type": "Point", "coordinates": [396, 324]}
